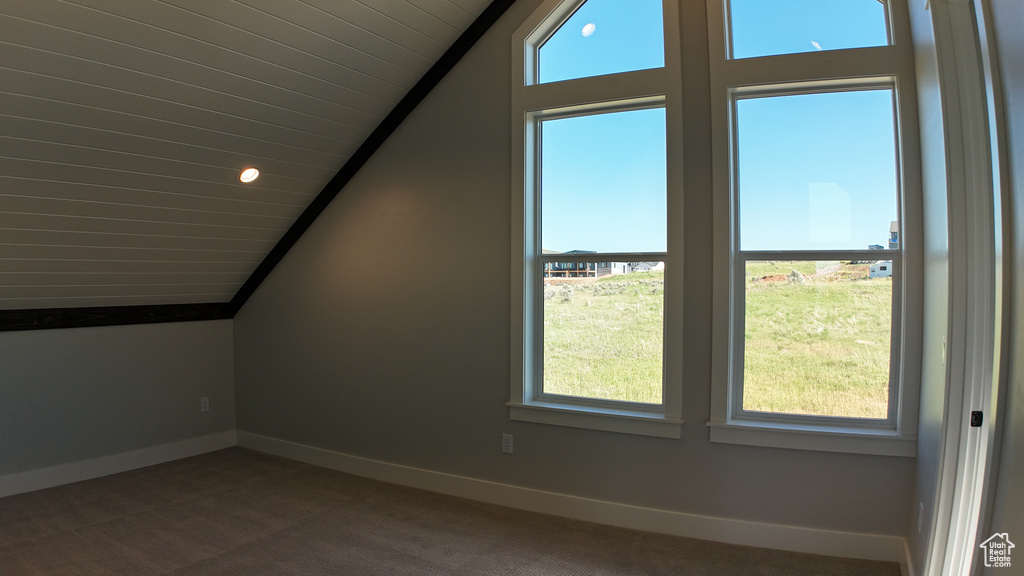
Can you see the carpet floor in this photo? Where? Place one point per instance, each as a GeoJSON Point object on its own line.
{"type": "Point", "coordinates": [239, 512]}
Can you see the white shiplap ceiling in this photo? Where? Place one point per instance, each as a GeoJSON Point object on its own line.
{"type": "Point", "coordinates": [124, 125]}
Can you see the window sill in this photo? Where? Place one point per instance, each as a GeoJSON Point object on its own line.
{"type": "Point", "coordinates": [848, 440]}
{"type": "Point", "coordinates": [622, 421]}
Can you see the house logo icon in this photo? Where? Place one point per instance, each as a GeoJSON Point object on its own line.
{"type": "Point", "coordinates": [997, 550]}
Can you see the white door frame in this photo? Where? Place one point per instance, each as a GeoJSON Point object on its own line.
{"type": "Point", "coordinates": [976, 335]}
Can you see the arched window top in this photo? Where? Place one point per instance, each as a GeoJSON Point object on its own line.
{"type": "Point", "coordinates": [760, 28]}
{"type": "Point", "coordinates": [599, 37]}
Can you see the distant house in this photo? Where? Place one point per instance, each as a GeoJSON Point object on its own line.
{"type": "Point", "coordinates": [647, 266]}
{"type": "Point", "coordinates": [594, 269]}
{"type": "Point", "coordinates": [570, 269]}
{"type": "Point", "coordinates": [894, 235]}
{"type": "Point", "coordinates": [881, 269]}
{"type": "Point", "coordinates": [612, 268]}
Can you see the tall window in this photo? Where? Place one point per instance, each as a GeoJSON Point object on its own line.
{"type": "Point", "coordinates": [593, 254]}
{"type": "Point", "coordinates": [816, 231]}
{"type": "Point", "coordinates": [812, 182]}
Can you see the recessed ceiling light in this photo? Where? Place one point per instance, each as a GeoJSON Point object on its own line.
{"type": "Point", "coordinates": [248, 175]}
{"type": "Point", "coordinates": [589, 29]}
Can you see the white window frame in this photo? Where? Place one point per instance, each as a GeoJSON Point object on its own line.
{"type": "Point", "coordinates": [533, 102]}
{"type": "Point", "coordinates": [813, 72]}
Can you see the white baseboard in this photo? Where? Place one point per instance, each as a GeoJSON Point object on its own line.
{"type": "Point", "coordinates": [779, 537]}
{"type": "Point", "coordinates": [113, 464]}
{"type": "Point", "coordinates": [907, 566]}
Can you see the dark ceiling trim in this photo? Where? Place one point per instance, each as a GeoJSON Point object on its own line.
{"type": "Point", "coordinates": [374, 141]}
{"type": "Point", "coordinates": [50, 318]}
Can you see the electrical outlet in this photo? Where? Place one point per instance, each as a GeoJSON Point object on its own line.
{"type": "Point", "coordinates": [506, 443]}
{"type": "Point", "coordinates": [204, 404]}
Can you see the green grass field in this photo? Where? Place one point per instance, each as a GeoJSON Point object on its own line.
{"type": "Point", "coordinates": [603, 338]}
{"type": "Point", "coordinates": [814, 344]}
{"type": "Point", "coordinates": [819, 345]}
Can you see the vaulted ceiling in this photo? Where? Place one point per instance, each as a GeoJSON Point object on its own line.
{"type": "Point", "coordinates": [124, 125]}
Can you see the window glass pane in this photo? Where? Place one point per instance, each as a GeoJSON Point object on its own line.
{"type": "Point", "coordinates": [603, 325]}
{"type": "Point", "coordinates": [605, 37]}
{"type": "Point", "coordinates": [603, 182]}
{"type": "Point", "coordinates": [817, 171]}
{"type": "Point", "coordinates": [817, 338]}
{"type": "Point", "coordinates": [766, 28]}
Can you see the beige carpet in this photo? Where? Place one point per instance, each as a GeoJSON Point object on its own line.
{"type": "Point", "coordinates": [239, 512]}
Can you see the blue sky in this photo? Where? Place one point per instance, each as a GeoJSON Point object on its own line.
{"type": "Point", "coordinates": [765, 27]}
{"type": "Point", "coordinates": [604, 182]}
{"type": "Point", "coordinates": [625, 36]}
{"type": "Point", "coordinates": [816, 171]}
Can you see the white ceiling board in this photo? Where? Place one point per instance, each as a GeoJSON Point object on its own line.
{"type": "Point", "coordinates": [31, 130]}
{"type": "Point", "coordinates": [110, 290]}
{"type": "Point", "coordinates": [471, 6]}
{"type": "Point", "coordinates": [417, 20]}
{"type": "Point", "coordinates": [408, 52]}
{"type": "Point", "coordinates": [107, 224]}
{"type": "Point", "coordinates": [79, 298]}
{"type": "Point", "coordinates": [100, 239]}
{"type": "Point", "coordinates": [88, 209]}
{"type": "Point", "coordinates": [85, 279]}
{"type": "Point", "coordinates": [157, 40]}
{"type": "Point", "coordinates": [68, 191]}
{"type": "Point", "coordinates": [124, 125]}
{"type": "Point", "coordinates": [372, 16]}
{"type": "Point", "coordinates": [66, 117]}
{"type": "Point", "coordinates": [124, 254]}
{"type": "Point", "coordinates": [73, 295]}
{"type": "Point", "coordinates": [179, 103]}
{"type": "Point", "coordinates": [451, 13]}
{"type": "Point", "coordinates": [307, 48]}
{"type": "Point", "coordinates": [151, 166]}
{"type": "Point", "coordinates": [20, 176]}
{"type": "Point", "coordinates": [71, 267]}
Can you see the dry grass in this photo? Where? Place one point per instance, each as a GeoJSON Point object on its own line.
{"type": "Point", "coordinates": [603, 338]}
{"type": "Point", "coordinates": [817, 346]}
{"type": "Point", "coordinates": [818, 343]}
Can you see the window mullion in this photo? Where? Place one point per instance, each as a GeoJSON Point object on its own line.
{"type": "Point", "coordinates": [580, 95]}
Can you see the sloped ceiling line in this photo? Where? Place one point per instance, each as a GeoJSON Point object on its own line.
{"type": "Point", "coordinates": [50, 318]}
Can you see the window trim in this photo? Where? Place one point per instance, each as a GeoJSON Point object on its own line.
{"type": "Point", "coordinates": [532, 102]}
{"type": "Point", "coordinates": [813, 72]}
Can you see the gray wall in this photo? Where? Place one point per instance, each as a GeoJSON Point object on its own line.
{"type": "Point", "coordinates": [385, 333]}
{"type": "Point", "coordinates": [1008, 511]}
{"type": "Point", "coordinates": [83, 393]}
